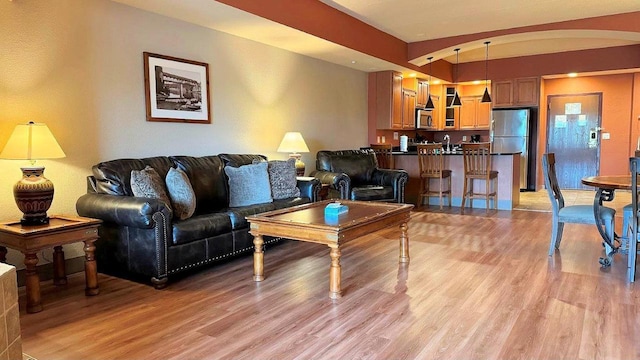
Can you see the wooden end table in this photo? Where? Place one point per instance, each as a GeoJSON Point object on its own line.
{"type": "Point", "coordinates": [61, 230]}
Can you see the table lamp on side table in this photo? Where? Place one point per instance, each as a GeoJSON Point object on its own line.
{"type": "Point", "coordinates": [33, 193]}
{"type": "Point", "coordinates": [293, 143]}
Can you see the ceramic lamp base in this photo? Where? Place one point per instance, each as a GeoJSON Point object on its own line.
{"type": "Point", "coordinates": [299, 164]}
{"type": "Point", "coordinates": [33, 195]}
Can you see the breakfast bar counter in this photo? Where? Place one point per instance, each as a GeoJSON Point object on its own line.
{"type": "Point", "coordinates": [507, 165]}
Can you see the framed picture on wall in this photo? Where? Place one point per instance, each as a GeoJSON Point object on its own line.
{"type": "Point", "coordinates": [176, 90]}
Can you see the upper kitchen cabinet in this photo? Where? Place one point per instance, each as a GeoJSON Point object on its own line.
{"type": "Point", "coordinates": [516, 92]}
{"type": "Point", "coordinates": [386, 99]}
{"type": "Point", "coordinates": [408, 109]}
{"type": "Point", "coordinates": [420, 86]}
{"type": "Point", "coordinates": [451, 114]}
{"type": "Point", "coordinates": [474, 114]}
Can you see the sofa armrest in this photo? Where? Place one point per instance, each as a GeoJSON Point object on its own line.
{"type": "Point", "coordinates": [123, 210]}
{"type": "Point", "coordinates": [337, 181]}
{"type": "Point", "coordinates": [309, 187]}
{"type": "Point", "coordinates": [394, 178]}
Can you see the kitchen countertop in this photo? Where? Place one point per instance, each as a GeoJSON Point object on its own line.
{"type": "Point", "coordinates": [451, 153]}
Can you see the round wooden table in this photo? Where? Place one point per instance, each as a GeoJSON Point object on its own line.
{"type": "Point", "coordinates": [606, 187]}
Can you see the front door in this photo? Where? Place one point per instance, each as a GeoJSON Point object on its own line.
{"type": "Point", "coordinates": [573, 134]}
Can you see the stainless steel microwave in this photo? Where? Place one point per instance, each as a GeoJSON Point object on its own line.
{"type": "Point", "coordinates": [424, 119]}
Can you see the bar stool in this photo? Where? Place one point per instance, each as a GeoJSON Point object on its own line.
{"type": "Point", "coordinates": [477, 166]}
{"type": "Point", "coordinates": [383, 155]}
{"type": "Point", "coordinates": [431, 165]}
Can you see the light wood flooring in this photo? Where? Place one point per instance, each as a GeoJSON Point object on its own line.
{"type": "Point", "coordinates": [479, 286]}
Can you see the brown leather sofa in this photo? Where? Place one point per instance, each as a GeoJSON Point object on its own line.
{"type": "Point", "coordinates": [354, 175]}
{"type": "Point", "coordinates": [139, 239]}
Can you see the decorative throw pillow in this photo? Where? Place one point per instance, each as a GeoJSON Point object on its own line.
{"type": "Point", "coordinates": [248, 184]}
{"type": "Point", "coordinates": [183, 199]}
{"type": "Point", "coordinates": [148, 183]}
{"type": "Point", "coordinates": [282, 176]}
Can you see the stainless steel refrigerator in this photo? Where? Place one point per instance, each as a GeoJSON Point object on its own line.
{"type": "Point", "coordinates": [510, 134]}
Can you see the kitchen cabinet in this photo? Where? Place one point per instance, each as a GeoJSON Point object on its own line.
{"type": "Point", "coordinates": [436, 114]}
{"type": "Point", "coordinates": [385, 99]}
{"type": "Point", "coordinates": [451, 114]}
{"type": "Point", "coordinates": [420, 86]}
{"type": "Point", "coordinates": [408, 109]}
{"type": "Point", "coordinates": [516, 92]}
{"type": "Point", "coordinates": [474, 114]}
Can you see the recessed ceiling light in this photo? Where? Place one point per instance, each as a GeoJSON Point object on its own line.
{"type": "Point", "coordinates": [572, 74]}
{"type": "Point", "coordinates": [412, 75]}
{"type": "Point", "coordinates": [476, 82]}
{"type": "Point", "coordinates": [436, 82]}
{"type": "Point", "coordinates": [353, 61]}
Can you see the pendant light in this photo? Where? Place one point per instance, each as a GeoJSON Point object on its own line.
{"type": "Point", "coordinates": [429, 105]}
{"type": "Point", "coordinates": [486, 98]}
{"type": "Point", "coordinates": [456, 98]}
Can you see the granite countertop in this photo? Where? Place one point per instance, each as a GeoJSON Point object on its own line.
{"type": "Point", "coordinates": [451, 153]}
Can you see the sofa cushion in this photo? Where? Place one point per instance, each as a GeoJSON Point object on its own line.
{"type": "Point", "coordinates": [114, 177]}
{"type": "Point", "coordinates": [183, 199]}
{"type": "Point", "coordinates": [148, 184]}
{"type": "Point", "coordinates": [200, 227]}
{"type": "Point", "coordinates": [359, 165]}
{"type": "Point", "coordinates": [237, 160]}
{"type": "Point", "coordinates": [372, 193]}
{"type": "Point", "coordinates": [207, 179]}
{"type": "Point", "coordinates": [248, 185]}
{"type": "Point", "coordinates": [238, 215]}
{"type": "Point", "coordinates": [285, 203]}
{"type": "Point", "coordinates": [282, 178]}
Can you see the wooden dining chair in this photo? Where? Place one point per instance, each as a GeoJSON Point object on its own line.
{"type": "Point", "coordinates": [477, 166]}
{"type": "Point", "coordinates": [576, 214]}
{"type": "Point", "coordinates": [383, 155]}
{"type": "Point", "coordinates": [431, 165]}
{"type": "Point", "coordinates": [634, 165]}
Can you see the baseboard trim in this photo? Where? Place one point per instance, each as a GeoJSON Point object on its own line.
{"type": "Point", "coordinates": [45, 271]}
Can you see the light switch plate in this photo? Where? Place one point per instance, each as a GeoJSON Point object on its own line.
{"type": "Point", "coordinates": [464, 137]}
{"type": "Point", "coordinates": [395, 135]}
{"type": "Point", "coordinates": [606, 136]}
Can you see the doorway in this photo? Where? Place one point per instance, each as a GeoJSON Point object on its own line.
{"type": "Point", "coordinates": [573, 133]}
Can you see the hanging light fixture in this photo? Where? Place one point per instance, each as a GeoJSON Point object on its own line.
{"type": "Point", "coordinates": [429, 104]}
{"type": "Point", "coordinates": [456, 98]}
{"type": "Point", "coordinates": [486, 98]}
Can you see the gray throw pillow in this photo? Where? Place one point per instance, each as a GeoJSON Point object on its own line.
{"type": "Point", "coordinates": [282, 176]}
{"type": "Point", "coordinates": [148, 183]}
{"type": "Point", "coordinates": [248, 185]}
{"type": "Point", "coordinates": [183, 199]}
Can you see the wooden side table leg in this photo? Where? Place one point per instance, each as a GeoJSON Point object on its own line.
{"type": "Point", "coordinates": [404, 243]}
{"type": "Point", "coordinates": [90, 269]}
{"type": "Point", "coordinates": [3, 254]}
{"type": "Point", "coordinates": [59, 271]}
{"type": "Point", "coordinates": [335, 273]}
{"type": "Point", "coordinates": [258, 258]}
{"type": "Point", "coordinates": [32, 285]}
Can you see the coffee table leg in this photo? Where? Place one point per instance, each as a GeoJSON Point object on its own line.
{"type": "Point", "coordinates": [335, 273]}
{"type": "Point", "coordinates": [404, 243]}
{"type": "Point", "coordinates": [258, 258]}
{"type": "Point", "coordinates": [3, 254]}
{"type": "Point", "coordinates": [59, 271]}
{"type": "Point", "coordinates": [90, 269]}
{"type": "Point", "coordinates": [32, 285]}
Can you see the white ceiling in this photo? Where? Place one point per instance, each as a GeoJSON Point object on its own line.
{"type": "Point", "coordinates": [417, 20]}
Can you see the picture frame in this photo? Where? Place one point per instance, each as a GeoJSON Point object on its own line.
{"type": "Point", "coordinates": [176, 90]}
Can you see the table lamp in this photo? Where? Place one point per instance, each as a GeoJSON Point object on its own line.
{"type": "Point", "coordinates": [293, 143]}
{"type": "Point", "coordinates": [33, 193]}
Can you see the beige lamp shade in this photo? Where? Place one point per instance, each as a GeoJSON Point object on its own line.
{"type": "Point", "coordinates": [292, 142]}
{"type": "Point", "coordinates": [32, 142]}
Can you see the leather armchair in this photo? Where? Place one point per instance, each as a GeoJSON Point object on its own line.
{"type": "Point", "coordinates": [354, 175]}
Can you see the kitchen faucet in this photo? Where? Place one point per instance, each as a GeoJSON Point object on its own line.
{"type": "Point", "coordinates": [448, 140]}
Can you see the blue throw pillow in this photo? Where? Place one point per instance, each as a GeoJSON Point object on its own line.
{"type": "Point", "coordinates": [248, 184]}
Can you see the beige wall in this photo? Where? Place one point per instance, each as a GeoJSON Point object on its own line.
{"type": "Point", "coordinates": [77, 66]}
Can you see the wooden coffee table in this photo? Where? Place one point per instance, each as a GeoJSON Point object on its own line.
{"type": "Point", "coordinates": [308, 223]}
{"type": "Point", "coordinates": [60, 230]}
